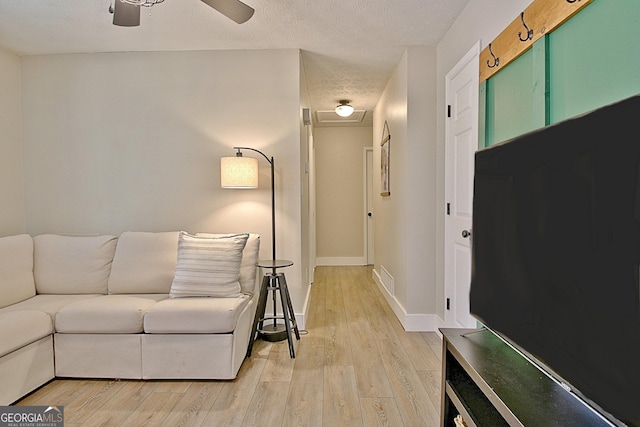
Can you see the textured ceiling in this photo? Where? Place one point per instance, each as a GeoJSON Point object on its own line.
{"type": "Point", "coordinates": [349, 47]}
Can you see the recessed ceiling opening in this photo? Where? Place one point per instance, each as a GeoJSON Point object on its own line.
{"type": "Point", "coordinates": [330, 117]}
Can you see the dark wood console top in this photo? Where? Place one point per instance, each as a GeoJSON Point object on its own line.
{"type": "Point", "coordinates": [496, 385]}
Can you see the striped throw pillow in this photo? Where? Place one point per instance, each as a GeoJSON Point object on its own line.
{"type": "Point", "coordinates": [208, 266]}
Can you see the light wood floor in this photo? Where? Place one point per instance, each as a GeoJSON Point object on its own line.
{"type": "Point", "coordinates": [355, 367]}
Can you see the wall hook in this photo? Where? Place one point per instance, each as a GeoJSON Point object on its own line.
{"type": "Point", "coordinates": [496, 60]}
{"type": "Point", "coordinates": [529, 32]}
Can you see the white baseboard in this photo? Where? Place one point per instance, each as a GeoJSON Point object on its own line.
{"type": "Point", "coordinates": [410, 322]}
{"type": "Point", "coordinates": [301, 318]}
{"type": "Point", "coordinates": [339, 261]}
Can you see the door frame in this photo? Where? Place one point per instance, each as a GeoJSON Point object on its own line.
{"type": "Point", "coordinates": [311, 170]}
{"type": "Point", "coordinates": [367, 168]}
{"type": "Point", "coordinates": [472, 55]}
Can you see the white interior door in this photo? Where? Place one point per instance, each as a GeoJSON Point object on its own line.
{"type": "Point", "coordinates": [368, 208]}
{"type": "Point", "coordinates": [460, 145]}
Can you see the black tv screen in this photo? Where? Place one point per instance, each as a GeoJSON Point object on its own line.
{"type": "Point", "coordinates": [556, 252]}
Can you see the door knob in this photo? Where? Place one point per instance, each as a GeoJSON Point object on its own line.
{"type": "Point", "coordinates": [466, 233]}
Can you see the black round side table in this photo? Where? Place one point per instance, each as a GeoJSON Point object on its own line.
{"type": "Point", "coordinates": [274, 282]}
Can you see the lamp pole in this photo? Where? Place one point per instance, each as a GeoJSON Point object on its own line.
{"type": "Point", "coordinates": [273, 199]}
{"type": "Point", "coordinates": [274, 281]}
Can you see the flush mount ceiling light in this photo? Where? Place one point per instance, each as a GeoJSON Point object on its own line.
{"type": "Point", "coordinates": [344, 109]}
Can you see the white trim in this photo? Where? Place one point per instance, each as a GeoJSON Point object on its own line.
{"type": "Point", "coordinates": [311, 200]}
{"type": "Point", "coordinates": [365, 150]}
{"type": "Point", "coordinates": [421, 322]}
{"type": "Point", "coordinates": [410, 322]}
{"type": "Point", "coordinates": [339, 261]}
{"type": "Point", "coordinates": [301, 318]}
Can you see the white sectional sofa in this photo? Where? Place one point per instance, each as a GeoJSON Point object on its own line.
{"type": "Point", "coordinates": [104, 307]}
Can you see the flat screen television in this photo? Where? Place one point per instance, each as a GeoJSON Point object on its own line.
{"type": "Point", "coordinates": [556, 253]}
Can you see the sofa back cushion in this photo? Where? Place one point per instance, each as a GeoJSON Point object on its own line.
{"type": "Point", "coordinates": [144, 263]}
{"type": "Point", "coordinates": [16, 269]}
{"type": "Point", "coordinates": [71, 264]}
{"type": "Point", "coordinates": [248, 269]}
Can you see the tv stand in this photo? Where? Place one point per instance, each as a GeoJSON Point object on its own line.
{"type": "Point", "coordinates": [488, 383]}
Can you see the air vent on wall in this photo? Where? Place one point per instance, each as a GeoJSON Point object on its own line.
{"type": "Point", "coordinates": [330, 117]}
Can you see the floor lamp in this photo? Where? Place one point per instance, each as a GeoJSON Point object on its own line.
{"type": "Point", "coordinates": [242, 172]}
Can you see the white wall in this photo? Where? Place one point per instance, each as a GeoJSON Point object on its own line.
{"type": "Point", "coordinates": [410, 223]}
{"type": "Point", "coordinates": [11, 181]}
{"type": "Point", "coordinates": [390, 234]}
{"type": "Point", "coordinates": [340, 194]}
{"type": "Point", "coordinates": [132, 141]}
{"type": "Point", "coordinates": [481, 20]}
{"type": "Point", "coordinates": [405, 230]}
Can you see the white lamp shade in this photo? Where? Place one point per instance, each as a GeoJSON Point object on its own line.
{"type": "Point", "coordinates": [344, 110]}
{"type": "Point", "coordinates": [238, 172]}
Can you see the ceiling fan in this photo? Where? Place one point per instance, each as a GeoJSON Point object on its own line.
{"type": "Point", "coordinates": [126, 13]}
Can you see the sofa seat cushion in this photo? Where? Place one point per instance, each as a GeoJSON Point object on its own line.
{"type": "Point", "coordinates": [22, 328]}
{"type": "Point", "coordinates": [49, 304]}
{"type": "Point", "coordinates": [107, 314]}
{"type": "Point", "coordinates": [199, 315]}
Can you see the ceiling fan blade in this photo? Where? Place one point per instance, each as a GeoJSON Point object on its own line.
{"type": "Point", "coordinates": [232, 9]}
{"type": "Point", "coordinates": [125, 14]}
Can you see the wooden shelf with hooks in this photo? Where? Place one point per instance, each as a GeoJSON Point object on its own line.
{"type": "Point", "coordinates": [541, 17]}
